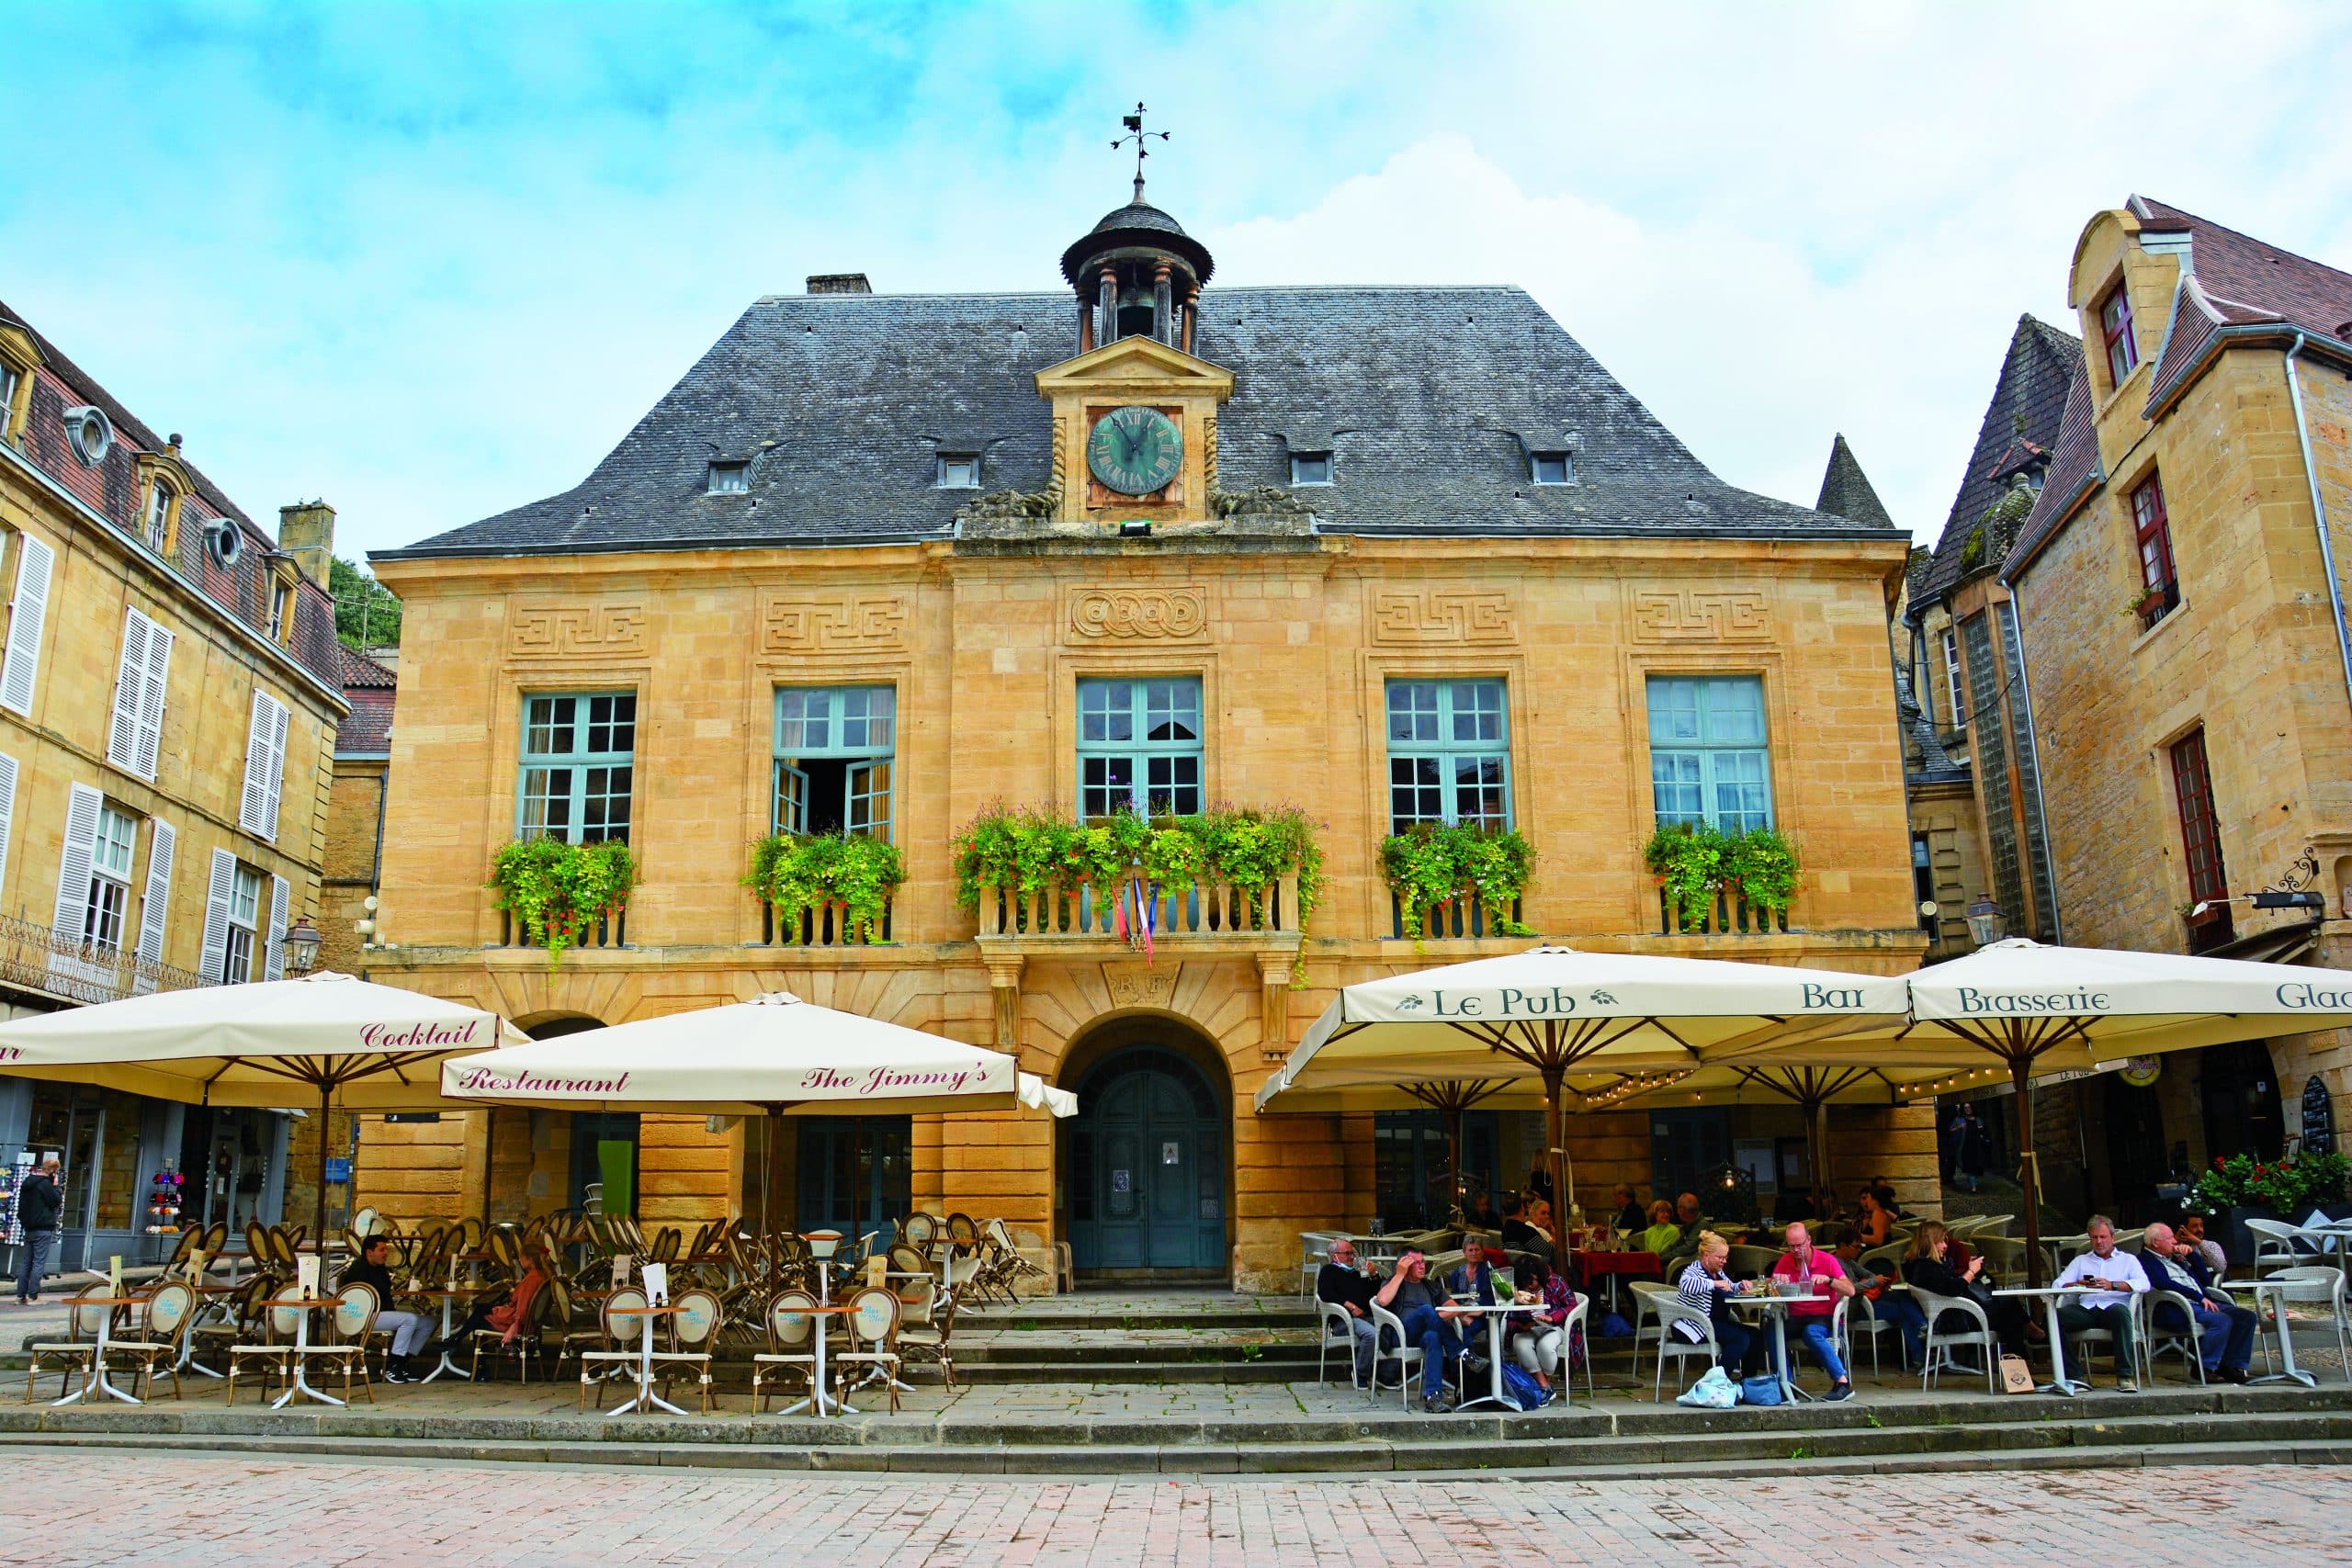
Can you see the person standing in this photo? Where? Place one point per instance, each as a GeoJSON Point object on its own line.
{"type": "Point", "coordinates": [37, 1205]}
{"type": "Point", "coordinates": [1975, 1149]}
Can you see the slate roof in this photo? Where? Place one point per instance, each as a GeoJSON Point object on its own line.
{"type": "Point", "coordinates": [1429, 398]}
{"type": "Point", "coordinates": [1935, 764]}
{"type": "Point", "coordinates": [2074, 470]}
{"type": "Point", "coordinates": [1846, 491]}
{"type": "Point", "coordinates": [111, 490]}
{"type": "Point", "coordinates": [2234, 279]}
{"type": "Point", "coordinates": [2029, 399]}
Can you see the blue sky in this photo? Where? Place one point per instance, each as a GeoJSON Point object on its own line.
{"type": "Point", "coordinates": [431, 262]}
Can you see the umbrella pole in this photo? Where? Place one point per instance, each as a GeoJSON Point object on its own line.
{"type": "Point", "coordinates": [1816, 1132]}
{"type": "Point", "coordinates": [1456, 1215]}
{"type": "Point", "coordinates": [489, 1158]}
{"type": "Point", "coordinates": [767, 1187]}
{"type": "Point", "coordinates": [319, 1216]}
{"type": "Point", "coordinates": [2029, 1170]}
{"type": "Point", "coordinates": [1556, 1148]}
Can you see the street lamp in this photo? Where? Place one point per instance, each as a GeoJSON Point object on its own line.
{"type": "Point", "coordinates": [1985, 926]}
{"type": "Point", "coordinates": [302, 946]}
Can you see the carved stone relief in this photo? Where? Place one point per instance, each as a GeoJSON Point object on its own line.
{"type": "Point", "coordinates": [1140, 985]}
{"type": "Point", "coordinates": [1138, 614]}
{"type": "Point", "coordinates": [577, 631]}
{"type": "Point", "coordinates": [1701, 614]}
{"type": "Point", "coordinates": [823, 623]}
{"type": "Point", "coordinates": [1444, 615]}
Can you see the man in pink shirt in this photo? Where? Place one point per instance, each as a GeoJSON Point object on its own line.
{"type": "Point", "coordinates": [1824, 1280]}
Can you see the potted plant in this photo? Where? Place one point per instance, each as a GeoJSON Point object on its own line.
{"type": "Point", "coordinates": [556, 891]}
{"type": "Point", "coordinates": [2238, 1188]}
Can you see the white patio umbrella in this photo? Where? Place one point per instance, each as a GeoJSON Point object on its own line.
{"type": "Point", "coordinates": [362, 1047]}
{"type": "Point", "coordinates": [1553, 1010]}
{"type": "Point", "coordinates": [2038, 1010]}
{"type": "Point", "coordinates": [773, 1056]}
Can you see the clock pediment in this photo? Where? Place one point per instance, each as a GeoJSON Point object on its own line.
{"type": "Point", "coordinates": [1135, 365]}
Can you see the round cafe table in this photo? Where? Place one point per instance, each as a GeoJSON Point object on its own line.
{"type": "Point", "coordinates": [2059, 1382]}
{"type": "Point", "coordinates": [818, 1398]}
{"type": "Point", "coordinates": [1494, 1315]}
{"type": "Point", "coordinates": [302, 1380]}
{"type": "Point", "coordinates": [448, 1298]}
{"type": "Point", "coordinates": [646, 1398]}
{"type": "Point", "coordinates": [1778, 1306]}
{"type": "Point", "coordinates": [97, 1382]}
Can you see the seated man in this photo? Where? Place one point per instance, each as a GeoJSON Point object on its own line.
{"type": "Point", "coordinates": [1629, 1218]}
{"type": "Point", "coordinates": [1425, 1321]}
{"type": "Point", "coordinates": [2225, 1332]}
{"type": "Point", "coordinates": [1340, 1283]}
{"type": "Point", "coordinates": [1521, 1234]}
{"type": "Point", "coordinates": [1687, 1216]}
{"type": "Point", "coordinates": [409, 1330]}
{"type": "Point", "coordinates": [2216, 1263]}
{"type": "Point", "coordinates": [1871, 1283]}
{"type": "Point", "coordinates": [1810, 1319]}
{"type": "Point", "coordinates": [2113, 1278]}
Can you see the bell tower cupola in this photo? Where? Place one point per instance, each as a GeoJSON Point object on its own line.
{"type": "Point", "coordinates": [1136, 273]}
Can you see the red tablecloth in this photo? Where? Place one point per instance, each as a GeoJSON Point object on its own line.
{"type": "Point", "coordinates": [1593, 1265]}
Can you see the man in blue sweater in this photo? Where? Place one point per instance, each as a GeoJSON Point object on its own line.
{"type": "Point", "coordinates": [2225, 1333]}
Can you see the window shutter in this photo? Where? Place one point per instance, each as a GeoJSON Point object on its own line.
{"type": "Point", "coordinates": [264, 766]}
{"type": "Point", "coordinates": [129, 688]}
{"type": "Point", "coordinates": [27, 611]}
{"type": "Point", "coordinates": [7, 810]}
{"type": "Point", "coordinates": [215, 915]}
{"type": "Point", "coordinates": [151, 701]}
{"type": "Point", "coordinates": [274, 957]}
{"type": "Point", "coordinates": [154, 907]}
{"type": "Point", "coordinates": [74, 867]}
{"type": "Point", "coordinates": [274, 781]}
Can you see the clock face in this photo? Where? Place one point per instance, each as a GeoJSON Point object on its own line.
{"type": "Point", "coordinates": [1135, 450]}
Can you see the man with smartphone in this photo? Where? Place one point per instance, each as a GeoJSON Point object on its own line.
{"type": "Point", "coordinates": [2110, 1280]}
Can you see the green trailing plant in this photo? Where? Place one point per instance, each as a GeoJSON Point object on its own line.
{"type": "Point", "coordinates": [1696, 860]}
{"type": "Point", "coordinates": [2282, 1186]}
{"type": "Point", "coordinates": [555, 890]}
{"type": "Point", "coordinates": [797, 873]}
{"type": "Point", "coordinates": [1433, 866]}
{"type": "Point", "coordinates": [1025, 848]}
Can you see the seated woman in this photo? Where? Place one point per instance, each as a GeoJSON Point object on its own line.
{"type": "Point", "coordinates": [1707, 1289]}
{"type": "Point", "coordinates": [1927, 1267]}
{"type": "Point", "coordinates": [505, 1314]}
{"type": "Point", "coordinates": [1536, 1338]}
{"type": "Point", "coordinates": [1663, 1234]}
{"type": "Point", "coordinates": [1873, 1223]}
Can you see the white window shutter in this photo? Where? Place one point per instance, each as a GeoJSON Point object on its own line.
{"type": "Point", "coordinates": [151, 701]}
{"type": "Point", "coordinates": [154, 907]}
{"type": "Point", "coordinates": [274, 957]}
{"type": "Point", "coordinates": [130, 689]}
{"type": "Point", "coordinates": [274, 779]}
{"type": "Point", "coordinates": [26, 610]}
{"type": "Point", "coordinates": [73, 868]}
{"type": "Point", "coordinates": [8, 811]}
{"type": "Point", "coordinates": [216, 916]}
{"type": "Point", "coordinates": [249, 809]}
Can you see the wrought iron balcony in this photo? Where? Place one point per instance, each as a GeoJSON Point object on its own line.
{"type": "Point", "coordinates": [40, 958]}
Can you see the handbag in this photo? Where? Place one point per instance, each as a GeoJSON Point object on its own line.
{"type": "Point", "coordinates": [1713, 1391]}
{"type": "Point", "coordinates": [1522, 1388]}
{"type": "Point", "coordinates": [1760, 1390]}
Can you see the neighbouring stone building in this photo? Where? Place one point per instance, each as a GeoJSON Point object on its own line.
{"type": "Point", "coordinates": [2176, 591]}
{"type": "Point", "coordinates": [879, 563]}
{"type": "Point", "coordinates": [168, 702]}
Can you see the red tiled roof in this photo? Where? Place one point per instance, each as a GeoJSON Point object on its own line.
{"type": "Point", "coordinates": [361, 673]}
{"type": "Point", "coordinates": [2232, 279]}
{"type": "Point", "coordinates": [368, 730]}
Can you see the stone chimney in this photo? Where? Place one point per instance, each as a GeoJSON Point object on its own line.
{"type": "Point", "coordinates": [839, 283]}
{"type": "Point", "coordinates": [306, 532]}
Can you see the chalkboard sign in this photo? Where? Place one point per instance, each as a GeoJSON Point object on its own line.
{"type": "Point", "coordinates": [2319, 1117]}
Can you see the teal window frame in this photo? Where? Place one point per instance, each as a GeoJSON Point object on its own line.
{"type": "Point", "coordinates": [1710, 751]}
{"type": "Point", "coordinates": [1449, 747]}
{"type": "Point", "coordinates": [855, 725]}
{"type": "Point", "coordinates": [1135, 751]}
{"type": "Point", "coordinates": [584, 759]}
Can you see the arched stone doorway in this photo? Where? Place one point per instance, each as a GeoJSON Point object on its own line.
{"type": "Point", "coordinates": [1147, 1163]}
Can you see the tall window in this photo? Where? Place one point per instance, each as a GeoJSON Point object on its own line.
{"type": "Point", "coordinates": [2115, 326]}
{"type": "Point", "coordinates": [2200, 837]}
{"type": "Point", "coordinates": [281, 612]}
{"type": "Point", "coordinates": [1707, 752]}
{"type": "Point", "coordinates": [579, 763]}
{"type": "Point", "coordinates": [1953, 686]}
{"type": "Point", "coordinates": [1139, 745]}
{"type": "Point", "coordinates": [833, 757]}
{"type": "Point", "coordinates": [244, 921]}
{"type": "Point", "coordinates": [1448, 754]}
{"type": "Point", "coordinates": [2152, 534]}
{"type": "Point", "coordinates": [156, 523]}
{"type": "Point", "coordinates": [1923, 883]}
{"type": "Point", "coordinates": [109, 904]}
{"type": "Point", "coordinates": [10, 378]}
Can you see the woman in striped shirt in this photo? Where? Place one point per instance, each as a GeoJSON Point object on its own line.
{"type": "Point", "coordinates": [1706, 1289]}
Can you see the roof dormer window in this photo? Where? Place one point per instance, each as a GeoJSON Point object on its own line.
{"type": "Point", "coordinates": [91, 433]}
{"type": "Point", "coordinates": [730, 478]}
{"type": "Point", "coordinates": [1310, 467]}
{"type": "Point", "coordinates": [1550, 469]}
{"type": "Point", "coordinates": [155, 522]}
{"type": "Point", "coordinates": [958, 471]}
{"type": "Point", "coordinates": [2115, 327]}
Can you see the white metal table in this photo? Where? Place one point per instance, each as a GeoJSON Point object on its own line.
{"type": "Point", "coordinates": [97, 1382]}
{"type": "Point", "coordinates": [448, 1299]}
{"type": "Point", "coordinates": [2276, 1290]}
{"type": "Point", "coordinates": [1778, 1306]}
{"type": "Point", "coordinates": [646, 1398]}
{"type": "Point", "coordinates": [1494, 1315]}
{"type": "Point", "coordinates": [2059, 1382]}
{"type": "Point", "coordinates": [300, 1382]}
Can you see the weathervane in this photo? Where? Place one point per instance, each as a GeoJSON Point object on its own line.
{"type": "Point", "coordinates": [1138, 135]}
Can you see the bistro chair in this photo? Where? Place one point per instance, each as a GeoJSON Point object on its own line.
{"type": "Point", "coordinates": [871, 1326]}
{"type": "Point", "coordinates": [2003, 1257]}
{"type": "Point", "coordinates": [530, 1341]}
{"type": "Point", "coordinates": [926, 1319]}
{"type": "Point", "coordinates": [1314, 1250]}
{"type": "Point", "coordinates": [2088, 1337]}
{"type": "Point", "coordinates": [694, 1328]}
{"type": "Point", "coordinates": [280, 1320]}
{"type": "Point", "coordinates": [163, 1322]}
{"type": "Point", "coordinates": [1942, 1339]}
{"type": "Point", "coordinates": [2277, 1244]}
{"type": "Point", "coordinates": [1335, 1328]}
{"type": "Point", "coordinates": [1387, 1330]}
{"type": "Point", "coordinates": [1646, 1294]}
{"type": "Point", "coordinates": [573, 1330]}
{"type": "Point", "coordinates": [1570, 1331]}
{"type": "Point", "coordinates": [1671, 1311]}
{"type": "Point", "coordinates": [1751, 1262]}
{"type": "Point", "coordinates": [189, 1235]}
{"type": "Point", "coordinates": [228, 1320]}
{"type": "Point", "coordinates": [345, 1344]}
{"type": "Point", "coordinates": [1869, 1323]}
{"type": "Point", "coordinates": [792, 1343]}
{"type": "Point", "coordinates": [2322, 1287]}
{"type": "Point", "coordinates": [79, 1345]}
{"type": "Point", "coordinates": [625, 1321]}
{"type": "Point", "coordinates": [2187, 1340]}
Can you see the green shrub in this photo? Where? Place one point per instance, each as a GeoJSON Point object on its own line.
{"type": "Point", "coordinates": [1695, 861]}
{"type": "Point", "coordinates": [1433, 865]}
{"type": "Point", "coordinates": [1025, 847]}
{"type": "Point", "coordinates": [555, 890]}
{"type": "Point", "coordinates": [797, 873]}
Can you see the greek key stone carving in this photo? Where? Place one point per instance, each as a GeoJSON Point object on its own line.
{"type": "Point", "coordinates": [1147, 614]}
{"type": "Point", "coordinates": [1139, 985]}
{"type": "Point", "coordinates": [577, 631]}
{"type": "Point", "coordinates": [1444, 615]}
{"type": "Point", "coordinates": [822, 623]}
{"type": "Point", "coordinates": [1700, 615]}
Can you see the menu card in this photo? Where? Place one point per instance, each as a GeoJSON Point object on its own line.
{"type": "Point", "coordinates": [657, 1284]}
{"type": "Point", "coordinates": [306, 1274]}
{"type": "Point", "coordinates": [620, 1269]}
{"type": "Point", "coordinates": [114, 1275]}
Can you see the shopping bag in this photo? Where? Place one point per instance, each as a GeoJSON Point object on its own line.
{"type": "Point", "coordinates": [1521, 1386]}
{"type": "Point", "coordinates": [1614, 1326]}
{"type": "Point", "coordinates": [2016, 1376]}
{"type": "Point", "coordinates": [1760, 1390]}
{"type": "Point", "coordinates": [1713, 1391]}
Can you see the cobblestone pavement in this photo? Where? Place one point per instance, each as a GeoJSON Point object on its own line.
{"type": "Point", "coordinates": [65, 1510]}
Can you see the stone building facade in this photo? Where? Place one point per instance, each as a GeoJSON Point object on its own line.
{"type": "Point", "coordinates": [925, 515]}
{"type": "Point", "coordinates": [168, 702]}
{"type": "Point", "coordinates": [2179, 593]}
